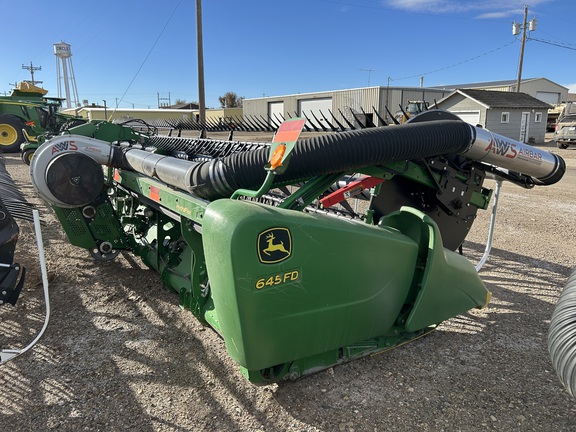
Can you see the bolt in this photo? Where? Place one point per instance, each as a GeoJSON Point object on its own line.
{"type": "Point", "coordinates": [106, 247]}
{"type": "Point", "coordinates": [89, 212]}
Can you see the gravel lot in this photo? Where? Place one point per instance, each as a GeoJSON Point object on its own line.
{"type": "Point", "coordinates": [120, 354]}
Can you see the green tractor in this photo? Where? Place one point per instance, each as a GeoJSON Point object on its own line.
{"type": "Point", "coordinates": [27, 113]}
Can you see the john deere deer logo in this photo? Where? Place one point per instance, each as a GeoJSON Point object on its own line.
{"type": "Point", "coordinates": [274, 245]}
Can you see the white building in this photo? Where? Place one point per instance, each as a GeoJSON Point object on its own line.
{"type": "Point", "coordinates": [515, 115]}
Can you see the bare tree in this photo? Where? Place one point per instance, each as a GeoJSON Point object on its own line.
{"type": "Point", "coordinates": [230, 100]}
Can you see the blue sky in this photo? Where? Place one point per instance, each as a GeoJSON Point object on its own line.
{"type": "Point", "coordinates": [128, 51]}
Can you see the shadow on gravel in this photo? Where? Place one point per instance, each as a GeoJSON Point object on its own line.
{"type": "Point", "coordinates": [111, 352]}
{"type": "Point", "coordinates": [114, 346]}
{"type": "Point", "coordinates": [535, 272]}
{"type": "Point", "coordinates": [486, 369]}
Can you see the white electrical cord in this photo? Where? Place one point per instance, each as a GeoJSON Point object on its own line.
{"type": "Point", "coordinates": [492, 223]}
{"type": "Point", "coordinates": [9, 354]}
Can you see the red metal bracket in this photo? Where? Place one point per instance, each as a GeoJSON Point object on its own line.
{"type": "Point", "coordinates": [350, 190]}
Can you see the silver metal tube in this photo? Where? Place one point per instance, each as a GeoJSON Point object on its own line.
{"type": "Point", "coordinates": [173, 171]}
{"type": "Point", "coordinates": [504, 152]}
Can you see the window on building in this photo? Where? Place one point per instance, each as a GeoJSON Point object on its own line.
{"type": "Point", "coordinates": [505, 117]}
{"type": "Point", "coordinates": [538, 117]}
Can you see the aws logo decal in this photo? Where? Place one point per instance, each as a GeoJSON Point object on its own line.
{"type": "Point", "coordinates": [274, 245]}
{"type": "Point", "coordinates": [63, 146]}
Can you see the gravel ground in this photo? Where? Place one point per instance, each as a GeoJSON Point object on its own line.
{"type": "Point", "coordinates": [121, 355]}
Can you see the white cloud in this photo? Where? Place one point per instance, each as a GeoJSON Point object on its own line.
{"type": "Point", "coordinates": [571, 87]}
{"type": "Point", "coordinates": [497, 15]}
{"type": "Point", "coordinates": [484, 8]}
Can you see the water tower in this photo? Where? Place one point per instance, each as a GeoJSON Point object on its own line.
{"type": "Point", "coordinates": [65, 74]}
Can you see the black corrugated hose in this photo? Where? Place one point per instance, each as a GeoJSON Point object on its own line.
{"type": "Point", "coordinates": [562, 336]}
{"type": "Point", "coordinates": [327, 154]}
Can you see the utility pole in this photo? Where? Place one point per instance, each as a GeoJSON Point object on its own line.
{"type": "Point", "coordinates": [32, 68]}
{"type": "Point", "coordinates": [515, 32]}
{"type": "Point", "coordinates": [387, 97]}
{"type": "Point", "coordinates": [201, 97]}
{"type": "Point", "coordinates": [164, 104]}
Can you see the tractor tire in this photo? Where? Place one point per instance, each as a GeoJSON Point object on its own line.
{"type": "Point", "coordinates": [11, 135]}
{"type": "Point", "coordinates": [27, 156]}
{"type": "Point", "coordinates": [562, 336]}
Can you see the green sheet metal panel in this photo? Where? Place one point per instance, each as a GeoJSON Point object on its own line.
{"type": "Point", "coordinates": [449, 284]}
{"type": "Point", "coordinates": [288, 285]}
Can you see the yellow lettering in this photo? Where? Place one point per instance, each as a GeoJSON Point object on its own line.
{"type": "Point", "coordinates": [278, 279]}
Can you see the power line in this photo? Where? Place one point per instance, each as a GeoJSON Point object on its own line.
{"type": "Point", "coordinates": [547, 42]}
{"type": "Point", "coordinates": [558, 40]}
{"type": "Point", "coordinates": [455, 64]}
{"type": "Point", "coordinates": [150, 51]}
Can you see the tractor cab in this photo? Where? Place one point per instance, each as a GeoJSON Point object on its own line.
{"type": "Point", "coordinates": [412, 109]}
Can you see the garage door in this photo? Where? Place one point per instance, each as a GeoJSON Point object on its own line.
{"type": "Point", "coordinates": [472, 117]}
{"type": "Point", "coordinates": [316, 107]}
{"type": "Point", "coordinates": [548, 97]}
{"type": "Point", "coordinates": [276, 111]}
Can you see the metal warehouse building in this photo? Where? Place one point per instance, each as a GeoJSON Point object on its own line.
{"type": "Point", "coordinates": [540, 88]}
{"type": "Point", "coordinates": [354, 106]}
{"type": "Point", "coordinates": [366, 106]}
